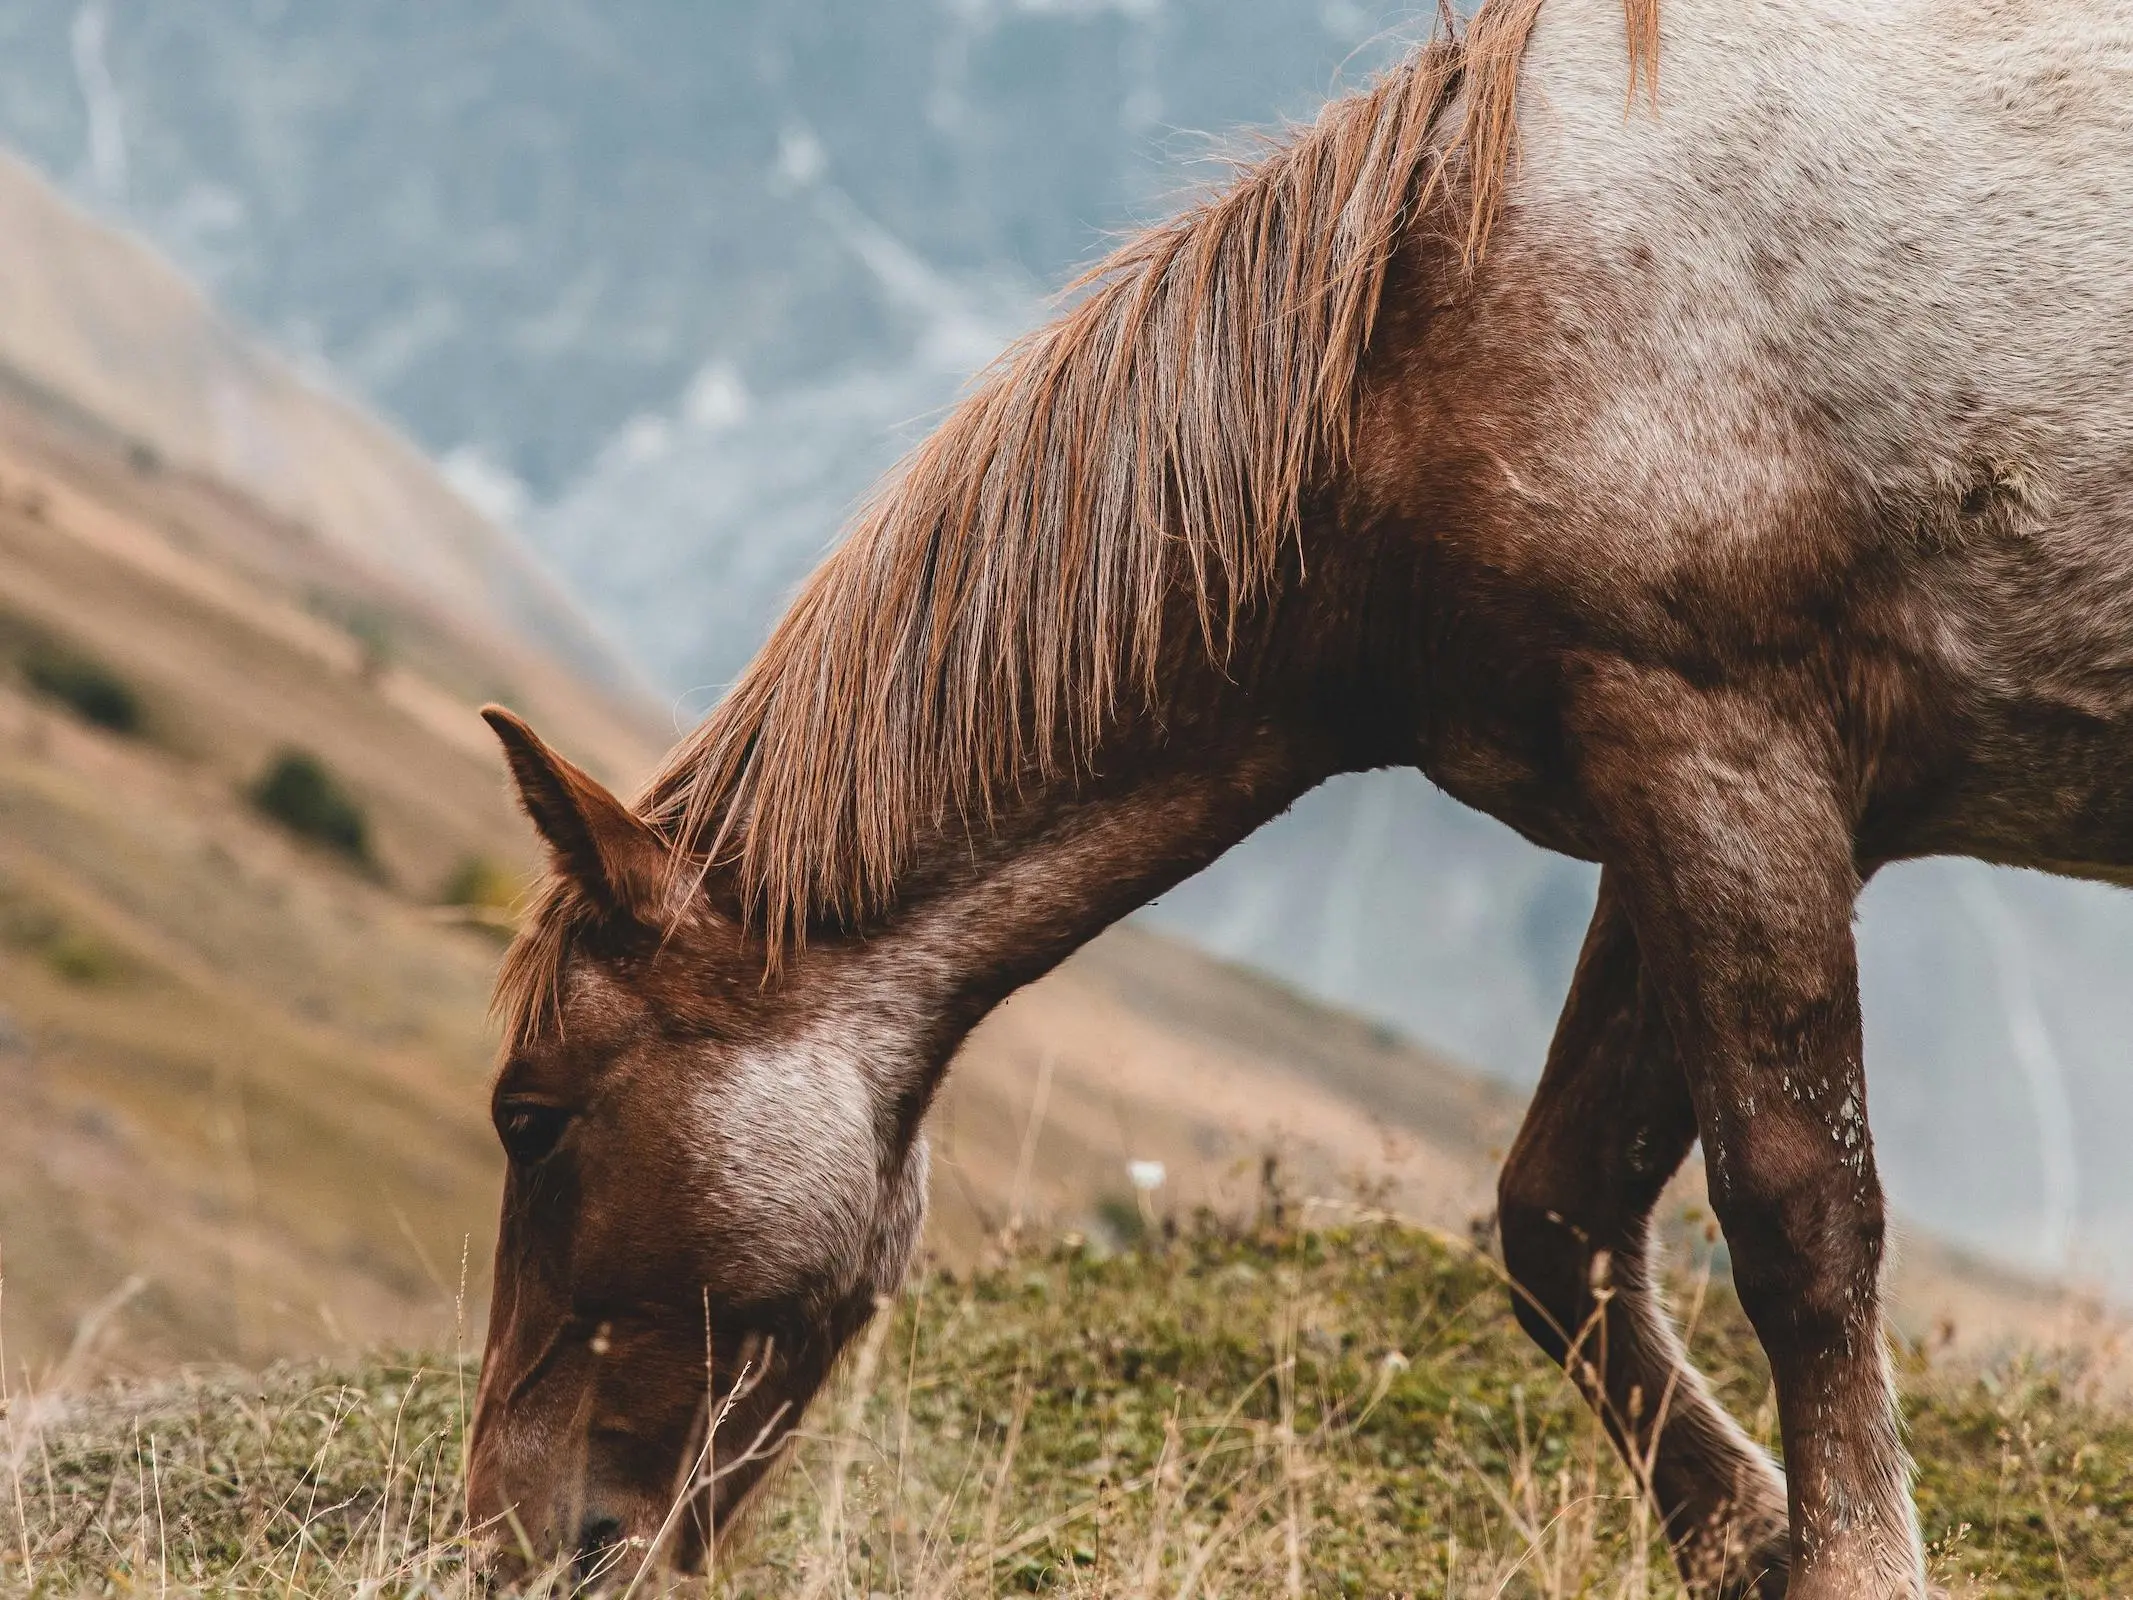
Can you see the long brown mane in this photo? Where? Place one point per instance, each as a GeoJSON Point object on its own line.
{"type": "Point", "coordinates": [1007, 585]}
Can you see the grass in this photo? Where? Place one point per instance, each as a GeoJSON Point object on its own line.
{"type": "Point", "coordinates": [1345, 1412]}
{"type": "Point", "coordinates": [31, 924]}
{"type": "Point", "coordinates": [481, 883]}
{"type": "Point", "coordinates": [484, 893]}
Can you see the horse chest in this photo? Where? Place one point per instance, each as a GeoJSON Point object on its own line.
{"type": "Point", "coordinates": [1492, 740]}
{"type": "Point", "coordinates": [1496, 780]}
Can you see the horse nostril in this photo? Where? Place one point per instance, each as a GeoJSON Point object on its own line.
{"type": "Point", "coordinates": [598, 1540]}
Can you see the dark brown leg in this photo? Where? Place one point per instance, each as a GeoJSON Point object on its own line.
{"type": "Point", "coordinates": [1726, 825]}
{"type": "Point", "coordinates": [1608, 1126]}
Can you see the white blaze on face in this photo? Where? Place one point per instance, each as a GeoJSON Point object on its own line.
{"type": "Point", "coordinates": [788, 1152]}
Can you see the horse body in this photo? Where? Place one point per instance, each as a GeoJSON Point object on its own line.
{"type": "Point", "coordinates": [1755, 510]}
{"type": "Point", "coordinates": [1836, 344]}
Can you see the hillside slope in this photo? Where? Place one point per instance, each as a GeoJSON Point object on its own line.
{"type": "Point", "coordinates": [99, 330]}
{"type": "Point", "coordinates": [241, 1076]}
{"type": "Point", "coordinates": [242, 1106]}
{"type": "Point", "coordinates": [240, 1068]}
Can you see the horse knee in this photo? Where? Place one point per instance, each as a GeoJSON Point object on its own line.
{"type": "Point", "coordinates": [1548, 1258]}
{"type": "Point", "coordinates": [1806, 1248]}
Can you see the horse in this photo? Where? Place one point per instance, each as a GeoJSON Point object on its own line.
{"type": "Point", "coordinates": [1701, 440]}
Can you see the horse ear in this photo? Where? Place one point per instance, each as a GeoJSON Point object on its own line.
{"type": "Point", "coordinates": [597, 842]}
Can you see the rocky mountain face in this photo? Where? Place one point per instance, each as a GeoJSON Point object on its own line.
{"type": "Point", "coordinates": [669, 285]}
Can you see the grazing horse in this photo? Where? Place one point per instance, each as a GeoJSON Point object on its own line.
{"type": "Point", "coordinates": [1705, 445]}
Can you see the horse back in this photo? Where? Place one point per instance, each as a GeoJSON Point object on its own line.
{"type": "Point", "coordinates": [1822, 362]}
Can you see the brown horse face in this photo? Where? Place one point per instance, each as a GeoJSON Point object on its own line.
{"type": "Point", "coordinates": [710, 1189]}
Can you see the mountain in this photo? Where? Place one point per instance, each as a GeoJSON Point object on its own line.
{"type": "Point", "coordinates": [670, 286]}
{"type": "Point", "coordinates": [515, 227]}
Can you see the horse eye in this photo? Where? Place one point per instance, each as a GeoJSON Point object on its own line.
{"type": "Point", "coordinates": [530, 1131]}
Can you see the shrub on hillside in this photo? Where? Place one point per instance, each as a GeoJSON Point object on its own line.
{"type": "Point", "coordinates": [84, 685]}
{"type": "Point", "coordinates": [81, 957]}
{"type": "Point", "coordinates": [371, 628]}
{"type": "Point", "coordinates": [486, 895]}
{"type": "Point", "coordinates": [300, 792]}
{"type": "Point", "coordinates": [480, 884]}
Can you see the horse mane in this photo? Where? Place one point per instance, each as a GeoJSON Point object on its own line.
{"type": "Point", "coordinates": [1010, 581]}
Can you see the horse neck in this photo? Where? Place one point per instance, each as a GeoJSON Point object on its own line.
{"type": "Point", "coordinates": [986, 910]}
{"type": "Point", "coordinates": [1220, 747]}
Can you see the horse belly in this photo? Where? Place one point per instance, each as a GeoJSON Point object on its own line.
{"type": "Point", "coordinates": [2038, 648]}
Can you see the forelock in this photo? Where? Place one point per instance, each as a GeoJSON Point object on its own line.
{"type": "Point", "coordinates": [529, 984]}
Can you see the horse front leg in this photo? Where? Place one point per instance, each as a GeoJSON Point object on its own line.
{"type": "Point", "coordinates": [1609, 1124]}
{"type": "Point", "coordinates": [1723, 814]}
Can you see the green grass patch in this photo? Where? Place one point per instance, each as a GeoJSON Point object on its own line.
{"type": "Point", "coordinates": [371, 627]}
{"type": "Point", "coordinates": [304, 795]}
{"type": "Point", "coordinates": [481, 883]}
{"type": "Point", "coordinates": [33, 925]}
{"type": "Point", "coordinates": [62, 672]}
{"type": "Point", "coordinates": [486, 894]}
{"type": "Point", "coordinates": [1331, 1414]}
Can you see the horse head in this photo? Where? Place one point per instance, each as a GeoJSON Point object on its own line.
{"type": "Point", "coordinates": [712, 1183]}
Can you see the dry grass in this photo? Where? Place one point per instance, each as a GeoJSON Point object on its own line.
{"type": "Point", "coordinates": [1344, 1412]}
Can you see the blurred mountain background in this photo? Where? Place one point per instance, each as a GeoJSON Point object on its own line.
{"type": "Point", "coordinates": [664, 287]}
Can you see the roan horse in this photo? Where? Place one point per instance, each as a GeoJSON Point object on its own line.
{"type": "Point", "coordinates": [1731, 485]}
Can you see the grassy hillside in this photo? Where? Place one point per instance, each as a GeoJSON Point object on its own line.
{"type": "Point", "coordinates": [1268, 1413]}
{"type": "Point", "coordinates": [243, 1054]}
{"type": "Point", "coordinates": [242, 1051]}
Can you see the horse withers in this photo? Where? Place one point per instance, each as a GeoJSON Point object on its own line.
{"type": "Point", "coordinates": [1731, 485]}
